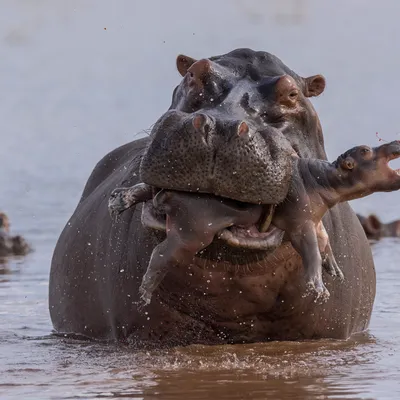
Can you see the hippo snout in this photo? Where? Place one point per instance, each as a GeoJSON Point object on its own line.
{"type": "Point", "coordinates": [228, 157]}
{"type": "Point", "coordinates": [391, 149]}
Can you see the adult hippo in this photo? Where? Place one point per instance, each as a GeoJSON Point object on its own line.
{"type": "Point", "coordinates": [375, 229]}
{"type": "Point", "coordinates": [227, 294]}
{"type": "Point", "coordinates": [11, 245]}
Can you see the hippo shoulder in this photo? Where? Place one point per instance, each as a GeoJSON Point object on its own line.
{"type": "Point", "coordinates": [128, 153]}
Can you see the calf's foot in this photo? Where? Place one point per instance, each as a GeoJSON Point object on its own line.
{"type": "Point", "coordinates": [119, 201]}
{"type": "Point", "coordinates": [316, 287]}
{"type": "Point", "coordinates": [331, 267]}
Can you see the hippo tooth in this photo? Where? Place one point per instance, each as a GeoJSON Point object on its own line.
{"type": "Point", "coordinates": [267, 219]}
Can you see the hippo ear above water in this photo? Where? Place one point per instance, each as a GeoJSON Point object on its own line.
{"type": "Point", "coordinates": [314, 85]}
{"type": "Point", "coordinates": [183, 63]}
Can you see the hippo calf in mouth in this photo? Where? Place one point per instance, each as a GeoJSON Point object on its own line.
{"type": "Point", "coordinates": [316, 186]}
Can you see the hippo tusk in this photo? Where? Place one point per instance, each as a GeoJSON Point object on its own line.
{"type": "Point", "coordinates": [267, 219]}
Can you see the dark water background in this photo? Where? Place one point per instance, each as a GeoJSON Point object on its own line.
{"type": "Point", "coordinates": [71, 90]}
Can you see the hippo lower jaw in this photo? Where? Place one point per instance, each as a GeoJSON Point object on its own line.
{"type": "Point", "coordinates": [261, 236]}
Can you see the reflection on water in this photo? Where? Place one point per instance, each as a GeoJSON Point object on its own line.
{"type": "Point", "coordinates": [71, 91]}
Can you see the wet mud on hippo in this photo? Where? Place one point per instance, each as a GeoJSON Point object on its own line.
{"type": "Point", "coordinates": [227, 294]}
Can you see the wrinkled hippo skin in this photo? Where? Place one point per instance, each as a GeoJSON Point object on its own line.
{"type": "Point", "coordinates": [227, 294]}
{"type": "Point", "coordinates": [375, 229]}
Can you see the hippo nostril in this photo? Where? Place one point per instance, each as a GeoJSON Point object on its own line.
{"type": "Point", "coordinates": [202, 123]}
{"type": "Point", "coordinates": [199, 122]}
{"type": "Point", "coordinates": [243, 129]}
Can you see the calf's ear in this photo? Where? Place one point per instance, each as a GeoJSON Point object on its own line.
{"type": "Point", "coordinates": [348, 163]}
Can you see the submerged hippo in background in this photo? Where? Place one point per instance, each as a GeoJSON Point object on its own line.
{"type": "Point", "coordinates": [375, 229]}
{"type": "Point", "coordinates": [11, 245]}
{"type": "Point", "coordinates": [315, 187]}
{"type": "Point", "coordinates": [227, 294]}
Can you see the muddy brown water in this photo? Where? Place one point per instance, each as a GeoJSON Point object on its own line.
{"type": "Point", "coordinates": [78, 79]}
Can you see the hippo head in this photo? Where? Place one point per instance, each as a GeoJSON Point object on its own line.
{"type": "Point", "coordinates": [234, 122]}
{"type": "Point", "coordinates": [4, 222]}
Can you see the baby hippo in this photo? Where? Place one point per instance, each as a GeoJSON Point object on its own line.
{"type": "Point", "coordinates": [317, 186]}
{"type": "Point", "coordinates": [192, 222]}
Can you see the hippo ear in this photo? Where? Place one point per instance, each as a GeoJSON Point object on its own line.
{"type": "Point", "coordinates": [314, 85]}
{"type": "Point", "coordinates": [374, 223]}
{"type": "Point", "coordinates": [348, 163]}
{"type": "Point", "coordinates": [4, 222]}
{"type": "Point", "coordinates": [183, 63]}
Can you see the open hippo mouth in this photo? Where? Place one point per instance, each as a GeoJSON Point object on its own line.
{"type": "Point", "coordinates": [238, 224]}
{"type": "Point", "coordinates": [393, 154]}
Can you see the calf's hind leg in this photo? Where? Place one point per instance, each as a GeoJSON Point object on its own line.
{"type": "Point", "coordinates": [305, 243]}
{"type": "Point", "coordinates": [328, 259]}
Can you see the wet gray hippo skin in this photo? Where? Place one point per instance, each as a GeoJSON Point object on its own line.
{"type": "Point", "coordinates": [227, 294]}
